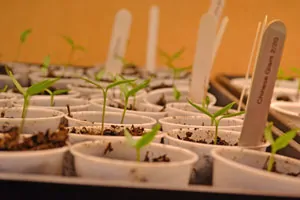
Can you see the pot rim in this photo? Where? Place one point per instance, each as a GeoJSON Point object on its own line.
{"type": "Point", "coordinates": [277, 107]}
{"type": "Point", "coordinates": [43, 152]}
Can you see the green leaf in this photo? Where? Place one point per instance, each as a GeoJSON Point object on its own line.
{"type": "Point", "coordinates": [129, 138]}
{"type": "Point", "coordinates": [116, 83]}
{"type": "Point", "coordinates": [100, 74]}
{"type": "Point", "coordinates": [164, 54]}
{"type": "Point", "coordinates": [233, 114]}
{"type": "Point", "coordinates": [207, 101]}
{"type": "Point", "coordinates": [203, 110]}
{"type": "Point", "coordinates": [92, 82]}
{"type": "Point", "coordinates": [79, 47]}
{"type": "Point", "coordinates": [177, 54]}
{"type": "Point", "coordinates": [16, 83]}
{"type": "Point", "coordinates": [24, 35]}
{"type": "Point", "coordinates": [223, 110]}
{"type": "Point", "coordinates": [284, 140]}
{"type": "Point", "coordinates": [58, 92]}
{"type": "Point", "coordinates": [268, 133]}
{"type": "Point", "coordinates": [68, 40]}
{"type": "Point", "coordinates": [139, 87]}
{"type": "Point", "coordinates": [176, 93]}
{"type": "Point", "coordinates": [40, 86]}
{"type": "Point", "coordinates": [148, 137]}
{"type": "Point", "coordinates": [46, 62]}
{"type": "Point", "coordinates": [4, 89]}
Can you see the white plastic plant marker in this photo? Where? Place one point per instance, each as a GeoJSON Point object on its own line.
{"type": "Point", "coordinates": [118, 42]}
{"type": "Point", "coordinates": [249, 66]}
{"type": "Point", "coordinates": [216, 8]}
{"type": "Point", "coordinates": [203, 57]}
{"type": "Point", "coordinates": [152, 39]}
{"type": "Point", "coordinates": [263, 83]}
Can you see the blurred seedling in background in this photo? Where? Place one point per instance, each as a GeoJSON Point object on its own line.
{"type": "Point", "coordinates": [45, 64]}
{"type": "Point", "coordinates": [23, 38]}
{"type": "Point", "coordinates": [54, 93]}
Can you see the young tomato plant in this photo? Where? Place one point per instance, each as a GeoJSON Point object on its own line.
{"type": "Point", "coordinates": [32, 90]}
{"type": "Point", "coordinates": [99, 75]}
{"type": "Point", "coordinates": [104, 92]}
{"type": "Point", "coordinates": [45, 64]}
{"type": "Point", "coordinates": [146, 139]}
{"type": "Point", "coordinates": [280, 143]}
{"type": "Point", "coordinates": [23, 37]}
{"type": "Point", "coordinates": [206, 103]}
{"type": "Point", "coordinates": [131, 93]}
{"type": "Point", "coordinates": [56, 92]}
{"type": "Point", "coordinates": [217, 116]}
{"type": "Point", "coordinates": [176, 93]}
{"type": "Point", "coordinates": [4, 89]}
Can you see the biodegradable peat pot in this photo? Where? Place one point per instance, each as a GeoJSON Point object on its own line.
{"type": "Point", "coordinates": [141, 108]}
{"type": "Point", "coordinates": [60, 103]}
{"type": "Point", "coordinates": [90, 133]}
{"type": "Point", "coordinates": [200, 121]}
{"type": "Point", "coordinates": [37, 119]}
{"type": "Point", "coordinates": [194, 139]}
{"type": "Point", "coordinates": [92, 118]}
{"type": "Point", "coordinates": [290, 110]}
{"type": "Point", "coordinates": [161, 97]}
{"type": "Point", "coordinates": [241, 168]}
{"type": "Point", "coordinates": [7, 99]}
{"type": "Point", "coordinates": [186, 109]}
{"type": "Point", "coordinates": [120, 163]}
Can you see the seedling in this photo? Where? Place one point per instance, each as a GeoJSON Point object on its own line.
{"type": "Point", "coordinates": [131, 93]}
{"type": "Point", "coordinates": [74, 48]}
{"type": "Point", "coordinates": [176, 93]}
{"type": "Point", "coordinates": [169, 59]}
{"type": "Point", "coordinates": [297, 72]}
{"type": "Point", "coordinates": [99, 75]}
{"type": "Point", "coordinates": [280, 142]}
{"type": "Point", "coordinates": [217, 116]}
{"type": "Point", "coordinates": [104, 92]}
{"type": "Point", "coordinates": [32, 90]}
{"type": "Point", "coordinates": [45, 64]}
{"type": "Point", "coordinates": [206, 103]}
{"type": "Point", "coordinates": [52, 94]}
{"type": "Point", "coordinates": [23, 37]}
{"type": "Point", "coordinates": [4, 89]}
{"type": "Point", "coordinates": [146, 139]}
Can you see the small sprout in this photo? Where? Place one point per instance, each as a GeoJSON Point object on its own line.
{"type": "Point", "coordinates": [104, 92]}
{"type": "Point", "coordinates": [46, 63]}
{"type": "Point", "coordinates": [176, 93]}
{"type": "Point", "coordinates": [131, 93]}
{"type": "Point", "coordinates": [32, 90]}
{"type": "Point", "coordinates": [171, 58]}
{"type": "Point", "coordinates": [56, 92]}
{"type": "Point", "coordinates": [99, 75]}
{"type": "Point", "coordinates": [4, 89]}
{"type": "Point", "coordinates": [23, 37]}
{"type": "Point", "coordinates": [146, 139]}
{"type": "Point", "coordinates": [280, 143]}
{"type": "Point", "coordinates": [74, 47]}
{"type": "Point", "coordinates": [206, 103]}
{"type": "Point", "coordinates": [217, 116]}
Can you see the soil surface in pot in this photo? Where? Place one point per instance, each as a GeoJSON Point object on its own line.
{"type": "Point", "coordinates": [40, 141]}
{"type": "Point", "coordinates": [219, 140]}
{"type": "Point", "coordinates": [162, 158]}
{"type": "Point", "coordinates": [284, 98]}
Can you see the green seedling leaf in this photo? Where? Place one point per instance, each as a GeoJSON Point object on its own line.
{"type": "Point", "coordinates": [282, 141]}
{"type": "Point", "coordinates": [92, 82]}
{"type": "Point", "coordinates": [46, 62]}
{"type": "Point", "coordinates": [69, 40]}
{"type": "Point", "coordinates": [79, 47]}
{"type": "Point", "coordinates": [16, 83]}
{"type": "Point", "coordinates": [177, 54]}
{"type": "Point", "coordinates": [268, 133]}
{"type": "Point", "coordinates": [58, 92]}
{"type": "Point", "coordinates": [100, 74]}
{"type": "Point", "coordinates": [223, 110]}
{"type": "Point", "coordinates": [148, 137]}
{"type": "Point", "coordinates": [203, 110]}
{"type": "Point", "coordinates": [4, 89]}
{"type": "Point", "coordinates": [164, 54]}
{"type": "Point", "coordinates": [24, 35]}
{"type": "Point", "coordinates": [233, 114]}
{"type": "Point", "coordinates": [40, 86]}
{"type": "Point", "coordinates": [139, 87]}
{"type": "Point", "coordinates": [176, 93]}
{"type": "Point", "coordinates": [129, 138]}
{"type": "Point", "coordinates": [49, 91]}
{"type": "Point", "coordinates": [116, 83]}
{"type": "Point", "coordinates": [296, 70]}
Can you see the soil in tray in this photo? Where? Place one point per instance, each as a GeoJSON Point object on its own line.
{"type": "Point", "coordinates": [39, 141]}
{"type": "Point", "coordinates": [113, 130]}
{"type": "Point", "coordinates": [219, 140]}
{"type": "Point", "coordinates": [284, 98]}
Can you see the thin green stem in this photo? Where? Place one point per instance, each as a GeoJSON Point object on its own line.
{"type": "Point", "coordinates": [138, 155]}
{"type": "Point", "coordinates": [52, 99]}
{"type": "Point", "coordinates": [124, 111]}
{"type": "Point", "coordinates": [24, 112]}
{"type": "Point", "coordinates": [212, 121]}
{"type": "Point", "coordinates": [271, 161]}
{"type": "Point", "coordinates": [103, 109]}
{"type": "Point", "coordinates": [216, 131]}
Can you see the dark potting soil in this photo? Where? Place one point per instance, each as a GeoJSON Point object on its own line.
{"type": "Point", "coordinates": [219, 140]}
{"type": "Point", "coordinates": [113, 130]}
{"type": "Point", "coordinates": [283, 98]}
{"type": "Point", "coordinates": [161, 101]}
{"type": "Point", "coordinates": [161, 86]}
{"type": "Point", "coordinates": [39, 141]}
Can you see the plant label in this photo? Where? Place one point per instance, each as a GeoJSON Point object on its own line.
{"type": "Point", "coordinates": [118, 42]}
{"type": "Point", "coordinates": [216, 8]}
{"type": "Point", "coordinates": [203, 58]}
{"type": "Point", "coordinates": [220, 34]}
{"type": "Point", "coordinates": [263, 82]}
{"type": "Point", "coordinates": [152, 39]}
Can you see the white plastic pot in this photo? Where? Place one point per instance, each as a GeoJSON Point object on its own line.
{"type": "Point", "coordinates": [87, 89]}
{"type": "Point", "coordinates": [20, 71]}
{"type": "Point", "coordinates": [186, 109]}
{"type": "Point", "coordinates": [60, 103]}
{"type": "Point", "coordinates": [169, 83]}
{"type": "Point", "coordinates": [200, 121]}
{"type": "Point", "coordinates": [120, 163]}
{"type": "Point", "coordinates": [154, 96]}
{"type": "Point", "coordinates": [143, 109]}
{"type": "Point", "coordinates": [86, 118]}
{"type": "Point", "coordinates": [284, 92]}
{"type": "Point", "coordinates": [203, 168]}
{"type": "Point", "coordinates": [241, 168]}
{"type": "Point", "coordinates": [7, 99]}
{"type": "Point", "coordinates": [78, 136]}
{"type": "Point", "coordinates": [37, 119]}
{"type": "Point", "coordinates": [5, 80]}
{"type": "Point", "coordinates": [290, 110]}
